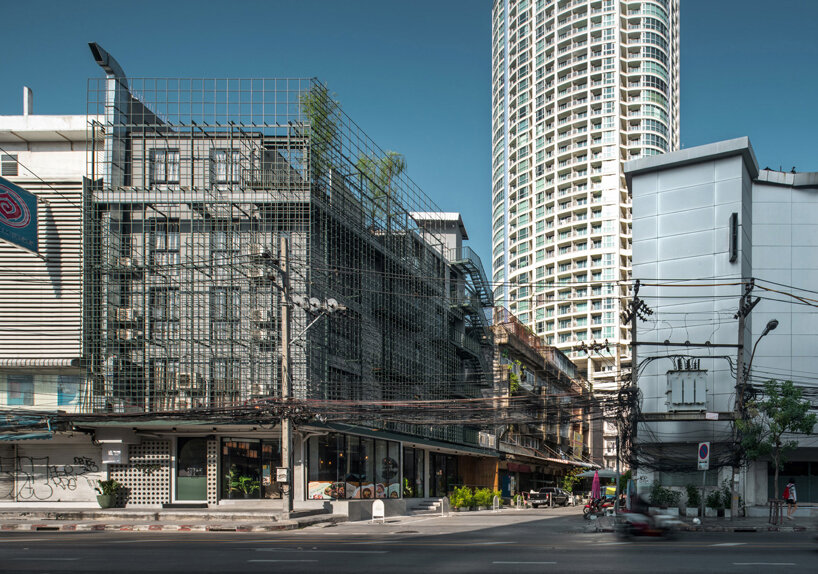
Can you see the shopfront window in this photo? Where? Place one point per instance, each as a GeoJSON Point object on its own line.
{"type": "Point", "coordinates": [351, 467]}
{"type": "Point", "coordinates": [444, 473]}
{"type": "Point", "coordinates": [248, 468]}
{"type": "Point", "coordinates": [413, 472]}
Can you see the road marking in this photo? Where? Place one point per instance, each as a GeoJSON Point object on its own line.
{"type": "Point", "coordinates": [764, 564]}
{"type": "Point", "coordinates": [730, 544]}
{"type": "Point", "coordinates": [45, 559]}
{"type": "Point", "coordinates": [519, 562]}
{"type": "Point", "coordinates": [322, 551]}
{"type": "Point", "coordinates": [282, 560]}
{"type": "Point", "coordinates": [487, 543]}
{"type": "Point", "coordinates": [135, 541]}
{"type": "Point", "coordinates": [611, 543]}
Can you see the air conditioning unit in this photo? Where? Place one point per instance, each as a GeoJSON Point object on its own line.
{"type": "Point", "coordinates": [260, 250]}
{"type": "Point", "coordinates": [261, 335]}
{"type": "Point", "coordinates": [128, 334]}
{"type": "Point", "coordinates": [259, 273]}
{"type": "Point", "coordinates": [130, 262]}
{"type": "Point", "coordinates": [185, 381]}
{"type": "Point", "coordinates": [261, 315]}
{"type": "Point", "coordinates": [126, 314]}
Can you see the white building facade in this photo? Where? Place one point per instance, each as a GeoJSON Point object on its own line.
{"type": "Point", "coordinates": [708, 226]}
{"type": "Point", "coordinates": [578, 88]}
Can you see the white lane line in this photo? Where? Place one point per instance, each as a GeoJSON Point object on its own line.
{"type": "Point", "coordinates": [764, 564]}
{"type": "Point", "coordinates": [136, 541]}
{"type": "Point", "coordinates": [282, 560]}
{"type": "Point", "coordinates": [730, 544]}
{"type": "Point", "coordinates": [611, 543]}
{"type": "Point", "coordinates": [322, 551]}
{"type": "Point", "coordinates": [486, 543]}
{"type": "Point", "coordinates": [43, 559]}
{"type": "Point", "coordinates": [512, 562]}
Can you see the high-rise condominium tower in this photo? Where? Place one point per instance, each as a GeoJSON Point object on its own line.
{"type": "Point", "coordinates": [578, 88]}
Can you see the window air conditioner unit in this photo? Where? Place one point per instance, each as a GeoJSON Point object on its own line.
{"type": "Point", "coordinates": [262, 335]}
{"type": "Point", "coordinates": [260, 250]}
{"type": "Point", "coordinates": [261, 315]}
{"type": "Point", "coordinates": [127, 334]}
{"type": "Point", "coordinates": [126, 314]}
{"type": "Point", "coordinates": [130, 262]}
{"type": "Point", "coordinates": [259, 273]}
{"type": "Point", "coordinates": [185, 381]}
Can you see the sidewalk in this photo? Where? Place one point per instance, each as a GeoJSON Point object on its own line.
{"type": "Point", "coordinates": [167, 520]}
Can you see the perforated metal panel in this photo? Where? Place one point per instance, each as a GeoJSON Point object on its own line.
{"type": "Point", "coordinates": [146, 477]}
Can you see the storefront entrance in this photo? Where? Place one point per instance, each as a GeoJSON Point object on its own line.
{"type": "Point", "coordinates": [191, 469]}
{"type": "Point", "coordinates": [444, 474]}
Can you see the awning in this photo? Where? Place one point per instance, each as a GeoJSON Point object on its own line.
{"type": "Point", "coordinates": [388, 435]}
{"type": "Point", "coordinates": [603, 473]}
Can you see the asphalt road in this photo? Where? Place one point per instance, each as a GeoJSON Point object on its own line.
{"type": "Point", "coordinates": [532, 541]}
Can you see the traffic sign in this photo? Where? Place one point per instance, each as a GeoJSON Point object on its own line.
{"type": "Point", "coordinates": [704, 456]}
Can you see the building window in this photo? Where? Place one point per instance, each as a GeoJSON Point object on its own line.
{"type": "Point", "coordinates": [224, 308]}
{"type": "Point", "coordinates": [8, 165]}
{"type": "Point", "coordinates": [20, 390]}
{"type": "Point", "coordinates": [164, 313]}
{"type": "Point", "coordinates": [68, 389]}
{"type": "Point", "coordinates": [166, 241]}
{"type": "Point", "coordinates": [225, 166]}
{"type": "Point", "coordinates": [164, 166]}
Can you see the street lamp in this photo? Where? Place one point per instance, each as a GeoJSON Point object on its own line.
{"type": "Point", "coordinates": [771, 325]}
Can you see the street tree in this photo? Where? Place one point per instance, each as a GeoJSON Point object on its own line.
{"type": "Point", "coordinates": [782, 410]}
{"type": "Point", "coordinates": [379, 174]}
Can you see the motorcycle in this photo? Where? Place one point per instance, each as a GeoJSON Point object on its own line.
{"type": "Point", "coordinates": [629, 524]}
{"type": "Point", "coordinates": [597, 507]}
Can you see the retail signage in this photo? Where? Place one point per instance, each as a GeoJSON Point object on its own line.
{"type": "Point", "coordinates": [18, 215]}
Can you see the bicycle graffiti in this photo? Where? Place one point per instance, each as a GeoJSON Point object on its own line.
{"type": "Point", "coordinates": [35, 478]}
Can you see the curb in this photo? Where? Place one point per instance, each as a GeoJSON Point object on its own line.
{"type": "Point", "coordinates": [145, 527]}
{"type": "Point", "coordinates": [768, 528]}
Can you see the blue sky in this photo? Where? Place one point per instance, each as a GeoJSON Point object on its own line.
{"type": "Point", "coordinates": [416, 75]}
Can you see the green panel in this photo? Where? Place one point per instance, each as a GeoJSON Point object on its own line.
{"type": "Point", "coordinates": [191, 488]}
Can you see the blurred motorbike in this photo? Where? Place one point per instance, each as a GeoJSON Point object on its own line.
{"type": "Point", "coordinates": [629, 524]}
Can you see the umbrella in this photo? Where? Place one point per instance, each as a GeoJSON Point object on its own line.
{"type": "Point", "coordinates": [602, 473]}
{"type": "Point", "coordinates": [595, 493]}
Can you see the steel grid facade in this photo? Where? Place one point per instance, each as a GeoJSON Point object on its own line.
{"type": "Point", "coordinates": [186, 202]}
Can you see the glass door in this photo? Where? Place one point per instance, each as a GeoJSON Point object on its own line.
{"type": "Point", "coordinates": [191, 469]}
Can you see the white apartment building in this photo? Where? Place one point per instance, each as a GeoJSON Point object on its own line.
{"type": "Point", "coordinates": [578, 88]}
{"type": "Point", "coordinates": [708, 224]}
{"type": "Point", "coordinates": [40, 324]}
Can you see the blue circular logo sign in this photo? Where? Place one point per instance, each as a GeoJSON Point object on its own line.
{"type": "Point", "coordinates": [703, 450]}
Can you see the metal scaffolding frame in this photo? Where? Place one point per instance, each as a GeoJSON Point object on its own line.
{"type": "Point", "coordinates": [184, 208]}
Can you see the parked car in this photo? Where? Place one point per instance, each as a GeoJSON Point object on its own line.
{"type": "Point", "coordinates": [543, 497]}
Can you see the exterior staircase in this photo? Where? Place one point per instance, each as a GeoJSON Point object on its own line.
{"type": "Point", "coordinates": [425, 506]}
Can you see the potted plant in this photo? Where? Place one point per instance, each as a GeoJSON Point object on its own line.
{"type": "Point", "coordinates": [714, 503]}
{"type": "Point", "coordinates": [483, 498]}
{"type": "Point", "coordinates": [694, 500]}
{"type": "Point", "coordinates": [108, 491]}
{"type": "Point", "coordinates": [241, 484]}
{"type": "Point", "coordinates": [462, 498]}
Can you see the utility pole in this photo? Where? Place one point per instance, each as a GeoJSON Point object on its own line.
{"type": "Point", "coordinates": [636, 310]}
{"type": "Point", "coordinates": [286, 386]}
{"type": "Point", "coordinates": [745, 305]}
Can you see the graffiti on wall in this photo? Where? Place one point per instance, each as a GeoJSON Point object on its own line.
{"type": "Point", "coordinates": [37, 478]}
